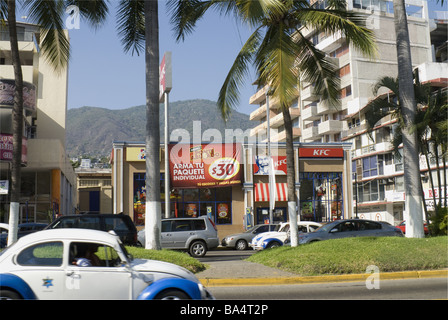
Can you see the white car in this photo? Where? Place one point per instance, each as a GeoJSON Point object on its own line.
{"type": "Point", "coordinates": [274, 239]}
{"type": "Point", "coordinates": [88, 264]}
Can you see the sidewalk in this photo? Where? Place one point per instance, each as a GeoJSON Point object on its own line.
{"type": "Point", "coordinates": [245, 273]}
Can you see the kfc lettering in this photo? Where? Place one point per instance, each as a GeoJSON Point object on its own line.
{"type": "Point", "coordinates": [321, 152]}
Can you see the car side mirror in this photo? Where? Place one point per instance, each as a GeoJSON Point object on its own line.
{"type": "Point", "coordinates": [334, 230]}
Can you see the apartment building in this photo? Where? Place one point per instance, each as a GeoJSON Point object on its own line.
{"type": "Point", "coordinates": [315, 122]}
{"type": "Point", "coordinates": [48, 180]}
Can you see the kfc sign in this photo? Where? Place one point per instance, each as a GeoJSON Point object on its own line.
{"type": "Point", "coordinates": [321, 153]}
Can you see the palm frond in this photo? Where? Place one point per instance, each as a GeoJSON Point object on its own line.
{"type": "Point", "coordinates": [228, 97]}
{"type": "Point", "coordinates": [275, 63]}
{"type": "Point", "coordinates": [54, 40]}
{"type": "Point", "coordinates": [94, 12]}
{"type": "Point", "coordinates": [185, 14]}
{"type": "Point", "coordinates": [386, 82]}
{"type": "Point", "coordinates": [316, 68]}
{"type": "Point", "coordinates": [336, 20]}
{"type": "Point", "coordinates": [131, 25]}
{"type": "Point", "coordinates": [3, 10]}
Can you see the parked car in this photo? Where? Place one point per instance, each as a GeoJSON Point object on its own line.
{"type": "Point", "coordinates": [22, 230]}
{"type": "Point", "coordinates": [240, 241]}
{"type": "Point", "coordinates": [45, 265]}
{"type": "Point", "coordinates": [196, 235]}
{"type": "Point", "coordinates": [121, 224]}
{"type": "Point", "coordinates": [402, 227]}
{"type": "Point", "coordinates": [270, 240]}
{"type": "Point", "coordinates": [351, 228]}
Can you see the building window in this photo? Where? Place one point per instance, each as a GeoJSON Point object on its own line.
{"type": "Point", "coordinates": [369, 167]}
{"type": "Point", "coordinates": [345, 70]}
{"type": "Point", "coordinates": [216, 203]}
{"type": "Point", "coordinates": [213, 202]}
{"type": "Point", "coordinates": [321, 196]}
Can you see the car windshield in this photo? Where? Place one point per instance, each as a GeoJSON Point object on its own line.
{"type": "Point", "coordinates": [125, 252]}
{"type": "Point", "coordinates": [327, 227]}
{"type": "Point", "coordinates": [251, 229]}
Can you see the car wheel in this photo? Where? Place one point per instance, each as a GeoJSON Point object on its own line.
{"type": "Point", "coordinates": [9, 295]}
{"type": "Point", "coordinates": [241, 245]}
{"type": "Point", "coordinates": [172, 294]}
{"type": "Point", "coordinates": [198, 249]}
{"type": "Point", "coordinates": [273, 244]}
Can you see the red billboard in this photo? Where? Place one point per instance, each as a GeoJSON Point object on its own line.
{"type": "Point", "coordinates": [205, 165]}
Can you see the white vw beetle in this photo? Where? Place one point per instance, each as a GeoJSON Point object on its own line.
{"type": "Point", "coordinates": [268, 240]}
{"type": "Point", "coordinates": [88, 264]}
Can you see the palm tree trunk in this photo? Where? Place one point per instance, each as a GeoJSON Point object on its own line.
{"type": "Point", "coordinates": [153, 211]}
{"type": "Point", "coordinates": [414, 224]}
{"type": "Point", "coordinates": [290, 178]}
{"type": "Point", "coordinates": [17, 125]}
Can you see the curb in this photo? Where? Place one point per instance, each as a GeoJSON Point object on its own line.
{"type": "Point", "coordinates": [322, 279]}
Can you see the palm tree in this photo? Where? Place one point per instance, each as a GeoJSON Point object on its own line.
{"type": "Point", "coordinates": [281, 53]}
{"type": "Point", "coordinates": [430, 121]}
{"type": "Point", "coordinates": [54, 45]}
{"type": "Point", "coordinates": [408, 105]}
{"type": "Point", "coordinates": [138, 27]}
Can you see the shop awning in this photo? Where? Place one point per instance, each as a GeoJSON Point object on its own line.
{"type": "Point", "coordinates": [262, 192]}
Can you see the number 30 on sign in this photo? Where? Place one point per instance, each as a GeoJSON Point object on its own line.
{"type": "Point", "coordinates": [224, 168]}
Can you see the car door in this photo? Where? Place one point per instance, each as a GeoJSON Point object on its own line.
{"type": "Point", "coordinates": [41, 267]}
{"type": "Point", "coordinates": [166, 236]}
{"type": "Point", "coordinates": [105, 279]}
{"type": "Point", "coordinates": [369, 228]}
{"type": "Point", "coordinates": [344, 229]}
{"type": "Point", "coordinates": [182, 230]}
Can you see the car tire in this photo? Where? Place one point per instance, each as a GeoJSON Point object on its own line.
{"type": "Point", "coordinates": [198, 249]}
{"type": "Point", "coordinates": [273, 244]}
{"type": "Point", "coordinates": [172, 294]}
{"type": "Point", "coordinates": [241, 245]}
{"type": "Point", "coordinates": [9, 295]}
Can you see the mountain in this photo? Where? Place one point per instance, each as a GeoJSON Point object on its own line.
{"type": "Point", "coordinates": [91, 130]}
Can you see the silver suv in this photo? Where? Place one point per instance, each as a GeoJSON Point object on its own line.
{"type": "Point", "coordinates": [196, 235]}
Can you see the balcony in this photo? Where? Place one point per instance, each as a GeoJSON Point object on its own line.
{"type": "Point", "coordinates": [331, 42]}
{"type": "Point", "coordinates": [307, 94]}
{"type": "Point", "coordinates": [310, 133]}
{"type": "Point", "coordinates": [310, 113]}
{"type": "Point", "coordinates": [261, 127]}
{"type": "Point", "coordinates": [281, 137]}
{"type": "Point", "coordinates": [258, 97]}
{"type": "Point", "coordinates": [258, 114]}
{"type": "Point", "coordinates": [277, 120]}
{"type": "Point", "coordinates": [330, 127]}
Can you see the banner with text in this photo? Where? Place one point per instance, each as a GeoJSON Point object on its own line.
{"type": "Point", "coordinates": [205, 165]}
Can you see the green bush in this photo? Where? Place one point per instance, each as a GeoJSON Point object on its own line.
{"type": "Point", "coordinates": [180, 258]}
{"type": "Point", "coordinates": [439, 222]}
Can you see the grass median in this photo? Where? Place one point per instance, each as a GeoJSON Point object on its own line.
{"type": "Point", "coordinates": [177, 257]}
{"type": "Point", "coordinates": [354, 255]}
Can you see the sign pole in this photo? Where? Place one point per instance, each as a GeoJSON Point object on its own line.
{"type": "Point", "coordinates": [167, 162]}
{"type": "Point", "coordinates": [271, 162]}
{"type": "Point", "coordinates": [165, 83]}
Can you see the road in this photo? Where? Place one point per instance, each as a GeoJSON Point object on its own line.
{"type": "Point", "coordinates": [429, 288]}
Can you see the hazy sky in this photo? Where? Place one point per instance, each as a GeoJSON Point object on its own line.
{"type": "Point", "coordinates": [102, 75]}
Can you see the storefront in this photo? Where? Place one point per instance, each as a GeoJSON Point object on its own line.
{"type": "Point", "coordinates": [230, 182]}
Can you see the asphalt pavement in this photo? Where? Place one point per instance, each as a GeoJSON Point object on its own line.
{"type": "Point", "coordinates": [228, 268]}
